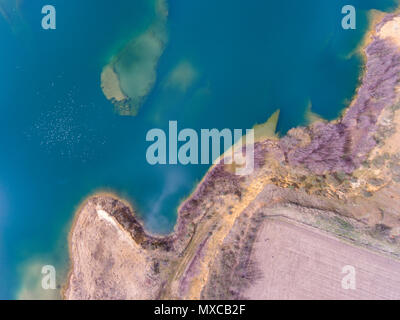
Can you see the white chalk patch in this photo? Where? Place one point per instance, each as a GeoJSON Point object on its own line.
{"type": "Point", "coordinates": [103, 215]}
{"type": "Point", "coordinates": [122, 234]}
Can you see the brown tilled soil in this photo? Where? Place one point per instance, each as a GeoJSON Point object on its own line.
{"type": "Point", "coordinates": [300, 262]}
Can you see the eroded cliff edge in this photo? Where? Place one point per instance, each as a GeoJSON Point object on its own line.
{"type": "Point", "coordinates": [340, 178]}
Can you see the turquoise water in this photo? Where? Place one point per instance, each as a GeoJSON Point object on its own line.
{"type": "Point", "coordinates": [60, 140]}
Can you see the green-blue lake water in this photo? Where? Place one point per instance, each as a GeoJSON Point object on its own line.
{"type": "Point", "coordinates": [60, 139]}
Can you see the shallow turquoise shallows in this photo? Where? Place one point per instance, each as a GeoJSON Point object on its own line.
{"type": "Point", "coordinates": [227, 64]}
